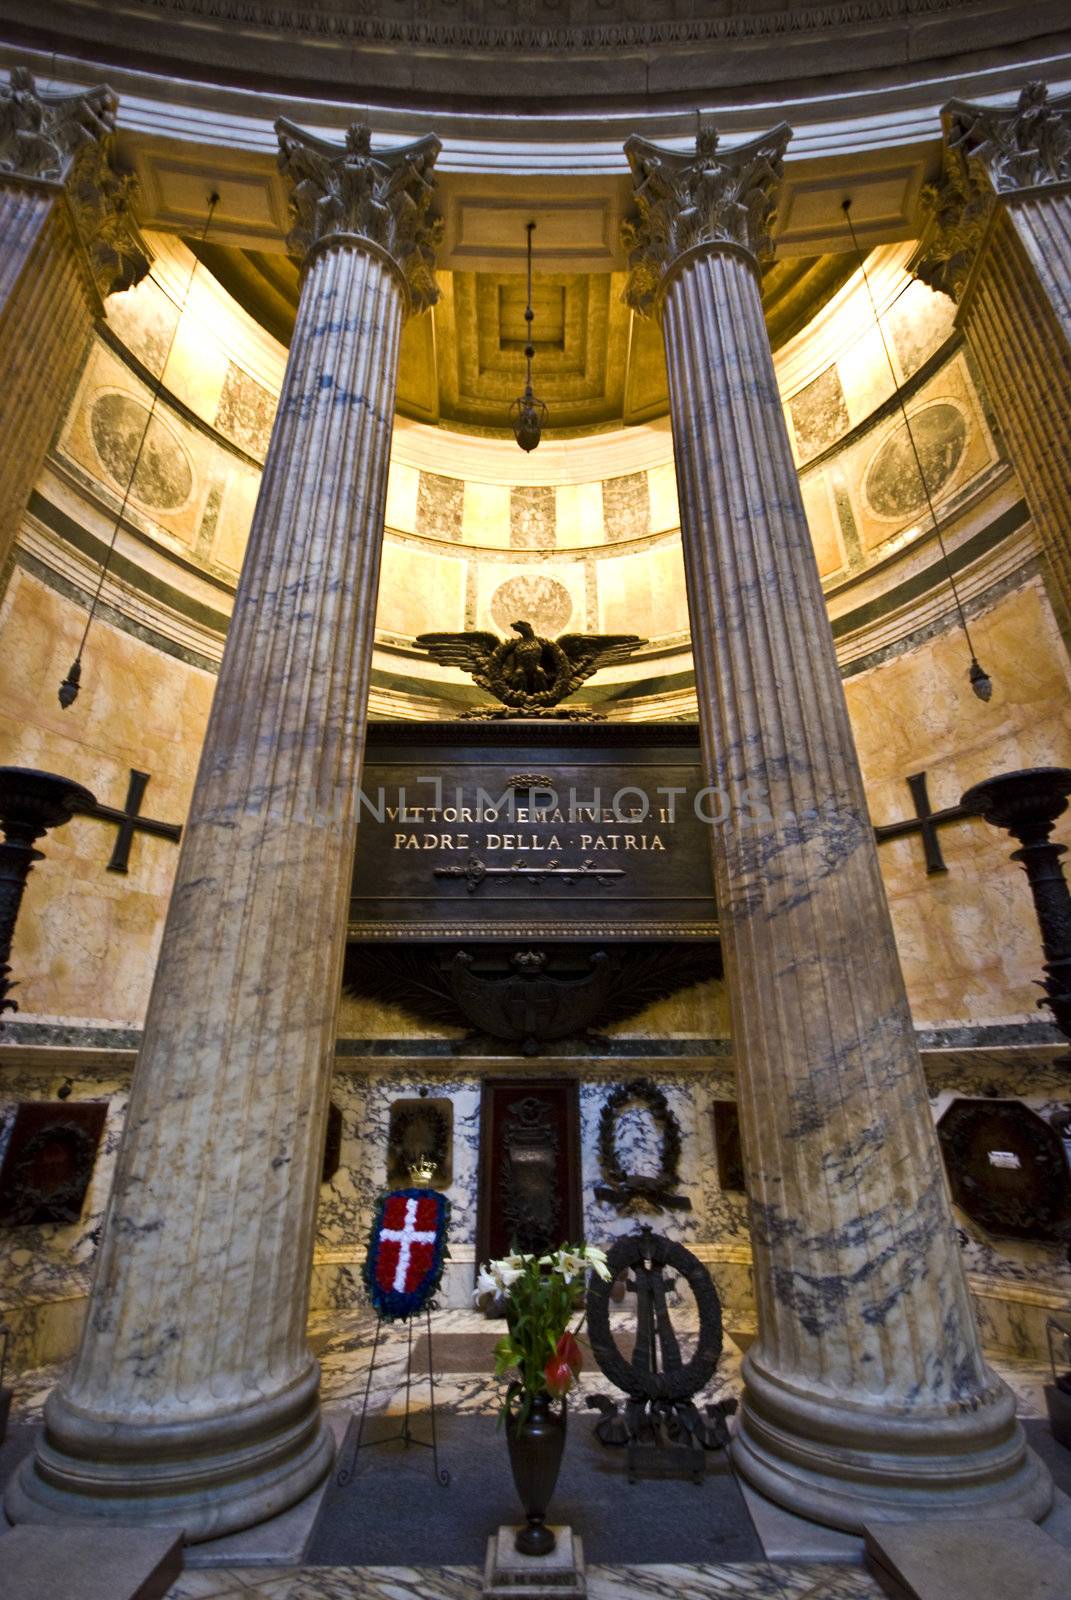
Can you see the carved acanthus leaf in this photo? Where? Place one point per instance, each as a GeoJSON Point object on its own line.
{"type": "Point", "coordinates": [709, 197]}
{"type": "Point", "coordinates": [70, 139]}
{"type": "Point", "coordinates": [40, 134]}
{"type": "Point", "coordinates": [1020, 148]}
{"type": "Point", "coordinates": [102, 203]}
{"type": "Point", "coordinates": [956, 209]}
{"type": "Point", "coordinates": [385, 197]}
{"type": "Point", "coordinates": [988, 151]}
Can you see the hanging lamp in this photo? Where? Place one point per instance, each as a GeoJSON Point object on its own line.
{"type": "Point", "coordinates": [527, 414]}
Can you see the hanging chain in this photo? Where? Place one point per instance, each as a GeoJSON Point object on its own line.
{"type": "Point", "coordinates": [68, 689]}
{"type": "Point", "coordinates": [979, 679]}
{"type": "Point", "coordinates": [529, 318]}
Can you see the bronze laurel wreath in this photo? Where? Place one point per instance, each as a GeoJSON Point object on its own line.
{"type": "Point", "coordinates": [628, 1190]}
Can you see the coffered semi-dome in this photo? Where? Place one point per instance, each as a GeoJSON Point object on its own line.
{"type": "Point", "coordinates": [595, 365]}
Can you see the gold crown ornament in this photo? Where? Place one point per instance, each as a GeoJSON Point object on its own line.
{"type": "Point", "coordinates": [421, 1172]}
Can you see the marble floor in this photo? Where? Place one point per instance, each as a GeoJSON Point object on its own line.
{"type": "Point", "coordinates": [343, 1342]}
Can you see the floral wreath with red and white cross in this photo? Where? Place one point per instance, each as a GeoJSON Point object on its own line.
{"type": "Point", "coordinates": [406, 1251]}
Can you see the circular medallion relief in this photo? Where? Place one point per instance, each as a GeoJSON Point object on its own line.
{"type": "Point", "coordinates": [543, 602]}
{"type": "Point", "coordinates": [164, 476]}
{"type": "Point", "coordinates": [891, 486]}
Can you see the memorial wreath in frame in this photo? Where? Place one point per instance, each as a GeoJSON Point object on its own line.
{"type": "Point", "coordinates": [406, 1251]}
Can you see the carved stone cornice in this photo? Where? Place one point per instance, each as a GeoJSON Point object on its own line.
{"type": "Point", "coordinates": [988, 152]}
{"type": "Point", "coordinates": [41, 134]}
{"type": "Point", "coordinates": [483, 27]}
{"type": "Point", "coordinates": [386, 198]}
{"type": "Point", "coordinates": [685, 200]}
{"type": "Point", "coordinates": [69, 141]}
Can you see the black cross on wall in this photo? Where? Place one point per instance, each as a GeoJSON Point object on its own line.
{"type": "Point", "coordinates": [926, 822]}
{"type": "Point", "coordinates": [130, 821]}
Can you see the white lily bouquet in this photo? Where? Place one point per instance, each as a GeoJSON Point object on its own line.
{"type": "Point", "coordinates": [541, 1293]}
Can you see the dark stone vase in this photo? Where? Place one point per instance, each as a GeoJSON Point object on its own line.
{"type": "Point", "coordinates": [535, 1455]}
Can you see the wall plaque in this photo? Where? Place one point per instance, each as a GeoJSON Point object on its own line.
{"type": "Point", "coordinates": [420, 1130]}
{"type": "Point", "coordinates": [48, 1160]}
{"type": "Point", "coordinates": [534, 830]}
{"type": "Point", "coordinates": [1006, 1168]}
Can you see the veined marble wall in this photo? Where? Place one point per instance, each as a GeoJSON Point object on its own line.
{"type": "Point", "coordinates": [716, 1223]}
{"type": "Point", "coordinates": [45, 1270]}
{"type": "Point", "coordinates": [87, 938]}
{"type": "Point", "coordinates": [967, 939]}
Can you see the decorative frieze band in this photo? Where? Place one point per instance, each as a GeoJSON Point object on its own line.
{"type": "Point", "coordinates": [482, 28]}
{"type": "Point", "coordinates": [385, 198]}
{"type": "Point", "coordinates": [685, 200]}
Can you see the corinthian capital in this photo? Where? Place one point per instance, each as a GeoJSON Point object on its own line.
{"type": "Point", "coordinates": [956, 210]}
{"type": "Point", "coordinates": [1021, 148]}
{"type": "Point", "coordinates": [70, 139]}
{"type": "Point", "coordinates": [988, 151]}
{"type": "Point", "coordinates": [685, 200]}
{"type": "Point", "coordinates": [41, 134]}
{"type": "Point", "coordinates": [385, 198]}
{"type": "Point", "coordinates": [102, 205]}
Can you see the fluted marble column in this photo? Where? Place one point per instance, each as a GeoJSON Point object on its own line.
{"type": "Point", "coordinates": [67, 241]}
{"type": "Point", "coordinates": [866, 1395]}
{"type": "Point", "coordinates": [194, 1399]}
{"type": "Point", "coordinates": [998, 240]}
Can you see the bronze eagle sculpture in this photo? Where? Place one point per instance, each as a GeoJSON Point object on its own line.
{"type": "Point", "coordinates": [529, 675]}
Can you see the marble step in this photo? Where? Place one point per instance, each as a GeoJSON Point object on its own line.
{"type": "Point", "coordinates": [103, 1563]}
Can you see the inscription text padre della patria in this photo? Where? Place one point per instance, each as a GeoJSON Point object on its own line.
{"type": "Point", "coordinates": [484, 831]}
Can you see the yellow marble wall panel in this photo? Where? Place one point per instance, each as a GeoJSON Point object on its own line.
{"type": "Point", "coordinates": [822, 519]}
{"type": "Point", "coordinates": [178, 467]}
{"type": "Point", "coordinates": [644, 593]}
{"type": "Point", "coordinates": [968, 939]}
{"type": "Point", "coordinates": [578, 515]}
{"type": "Point", "coordinates": [144, 319]}
{"type": "Point", "coordinates": [917, 323]}
{"type": "Point", "coordinates": [701, 1012]}
{"type": "Point", "coordinates": [238, 496]}
{"type": "Point", "coordinates": [196, 368]}
{"type": "Point", "coordinates": [485, 515]}
{"type": "Point", "coordinates": [87, 939]}
{"type": "Point", "coordinates": [419, 592]}
{"type": "Point", "coordinates": [403, 486]}
{"type": "Point", "coordinates": [864, 375]}
{"type": "Point", "coordinates": [664, 512]}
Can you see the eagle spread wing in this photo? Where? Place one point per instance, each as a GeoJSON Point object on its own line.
{"type": "Point", "coordinates": [587, 652]}
{"type": "Point", "coordinates": [471, 652]}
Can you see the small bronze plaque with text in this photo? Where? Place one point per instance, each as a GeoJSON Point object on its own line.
{"type": "Point", "coordinates": [534, 830]}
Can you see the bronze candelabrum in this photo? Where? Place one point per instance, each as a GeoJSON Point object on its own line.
{"type": "Point", "coordinates": [1027, 804]}
{"type": "Point", "coordinates": [31, 803]}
